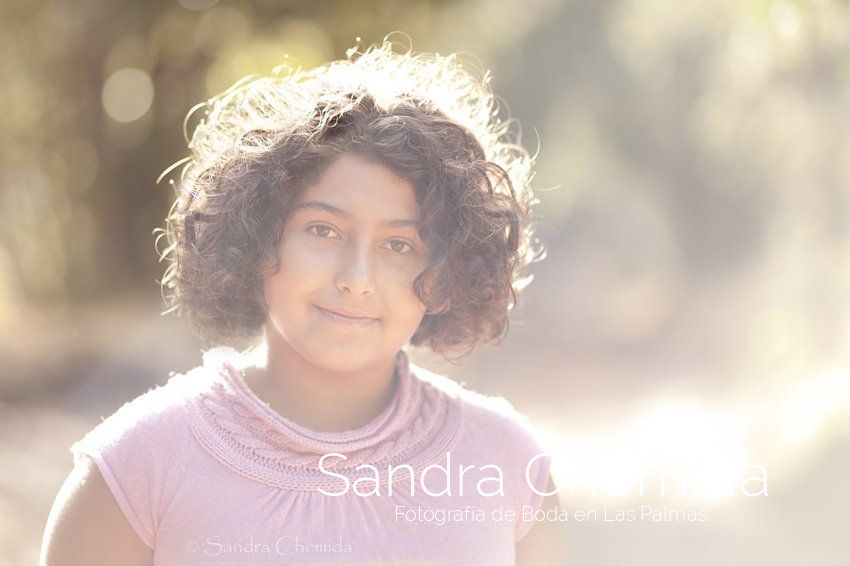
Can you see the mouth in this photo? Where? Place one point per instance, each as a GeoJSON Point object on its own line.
{"type": "Point", "coordinates": [341, 317]}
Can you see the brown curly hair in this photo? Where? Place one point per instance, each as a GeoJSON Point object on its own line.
{"type": "Point", "coordinates": [266, 139]}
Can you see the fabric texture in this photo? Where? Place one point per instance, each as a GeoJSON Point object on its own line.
{"type": "Point", "coordinates": [207, 473]}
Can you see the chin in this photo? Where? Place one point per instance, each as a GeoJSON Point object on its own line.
{"type": "Point", "coordinates": [337, 358]}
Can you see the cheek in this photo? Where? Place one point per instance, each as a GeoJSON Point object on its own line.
{"type": "Point", "coordinates": [406, 303]}
{"type": "Point", "coordinates": [299, 272]}
{"type": "Point", "coordinates": [279, 294]}
{"type": "Point", "coordinates": [302, 265]}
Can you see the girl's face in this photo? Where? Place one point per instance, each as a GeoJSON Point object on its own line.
{"type": "Point", "coordinates": [350, 250]}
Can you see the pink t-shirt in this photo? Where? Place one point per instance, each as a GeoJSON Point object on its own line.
{"type": "Point", "coordinates": [207, 473]}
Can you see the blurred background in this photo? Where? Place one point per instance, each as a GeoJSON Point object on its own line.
{"type": "Point", "coordinates": [694, 186]}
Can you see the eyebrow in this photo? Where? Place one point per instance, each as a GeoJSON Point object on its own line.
{"type": "Point", "coordinates": [331, 209]}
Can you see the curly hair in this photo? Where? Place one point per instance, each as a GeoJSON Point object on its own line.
{"type": "Point", "coordinates": [267, 138]}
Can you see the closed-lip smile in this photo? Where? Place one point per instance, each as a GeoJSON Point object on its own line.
{"type": "Point", "coordinates": [342, 315]}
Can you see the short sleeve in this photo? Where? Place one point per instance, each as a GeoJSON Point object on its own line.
{"type": "Point", "coordinates": [139, 450]}
{"type": "Point", "coordinates": [535, 483]}
{"type": "Point", "coordinates": [529, 464]}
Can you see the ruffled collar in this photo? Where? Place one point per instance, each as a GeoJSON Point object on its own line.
{"type": "Point", "coordinates": [420, 424]}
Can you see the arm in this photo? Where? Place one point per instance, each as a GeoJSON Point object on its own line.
{"type": "Point", "coordinates": [87, 527]}
{"type": "Point", "coordinates": [546, 542]}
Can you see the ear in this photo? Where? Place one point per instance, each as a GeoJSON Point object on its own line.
{"type": "Point", "coordinates": [267, 268]}
{"type": "Point", "coordinates": [446, 307]}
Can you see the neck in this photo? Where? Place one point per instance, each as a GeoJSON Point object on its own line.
{"type": "Point", "coordinates": [314, 397]}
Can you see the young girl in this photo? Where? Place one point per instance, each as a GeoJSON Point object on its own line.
{"type": "Point", "coordinates": [328, 220]}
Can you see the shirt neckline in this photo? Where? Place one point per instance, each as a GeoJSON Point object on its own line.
{"type": "Point", "coordinates": [232, 370]}
{"type": "Point", "coordinates": [418, 427]}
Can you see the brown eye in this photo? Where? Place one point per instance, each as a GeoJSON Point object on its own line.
{"type": "Point", "coordinates": [321, 230]}
{"type": "Point", "coordinates": [400, 246]}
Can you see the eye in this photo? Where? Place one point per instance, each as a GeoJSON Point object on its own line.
{"type": "Point", "coordinates": [400, 246]}
{"type": "Point", "coordinates": [322, 230]}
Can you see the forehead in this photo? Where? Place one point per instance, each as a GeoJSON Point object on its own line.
{"type": "Point", "coordinates": [364, 188]}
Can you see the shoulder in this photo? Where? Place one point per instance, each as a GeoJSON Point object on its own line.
{"type": "Point", "coordinates": [154, 417]}
{"type": "Point", "coordinates": [140, 451]}
{"type": "Point", "coordinates": [503, 436]}
{"type": "Point", "coordinates": [125, 469]}
{"type": "Point", "coordinates": [490, 416]}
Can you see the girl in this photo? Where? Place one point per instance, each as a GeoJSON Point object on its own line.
{"type": "Point", "coordinates": [327, 221]}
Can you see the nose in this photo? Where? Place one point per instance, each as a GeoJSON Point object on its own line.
{"type": "Point", "coordinates": [356, 274]}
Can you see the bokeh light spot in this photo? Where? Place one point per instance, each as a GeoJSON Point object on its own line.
{"type": "Point", "coordinates": [127, 95]}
